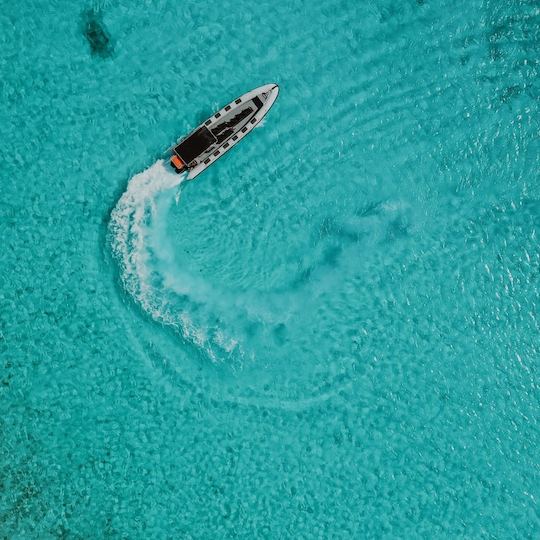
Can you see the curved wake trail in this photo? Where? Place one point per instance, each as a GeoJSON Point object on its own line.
{"type": "Point", "coordinates": [130, 221]}
{"type": "Point", "coordinates": [148, 272]}
{"type": "Point", "coordinates": [237, 329]}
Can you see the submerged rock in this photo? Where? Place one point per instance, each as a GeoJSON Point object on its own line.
{"type": "Point", "coordinates": [96, 34]}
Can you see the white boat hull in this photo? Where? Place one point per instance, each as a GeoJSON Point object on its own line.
{"type": "Point", "coordinates": [224, 129]}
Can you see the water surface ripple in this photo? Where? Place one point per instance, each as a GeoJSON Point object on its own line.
{"type": "Point", "coordinates": [332, 333]}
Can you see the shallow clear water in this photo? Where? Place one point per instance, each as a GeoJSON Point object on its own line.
{"type": "Point", "coordinates": [331, 333]}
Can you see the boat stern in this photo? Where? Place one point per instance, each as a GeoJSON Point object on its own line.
{"type": "Point", "coordinates": [177, 164]}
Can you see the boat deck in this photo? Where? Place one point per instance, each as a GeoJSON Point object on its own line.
{"type": "Point", "coordinates": [224, 129]}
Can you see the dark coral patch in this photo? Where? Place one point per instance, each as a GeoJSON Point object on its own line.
{"type": "Point", "coordinates": [96, 34]}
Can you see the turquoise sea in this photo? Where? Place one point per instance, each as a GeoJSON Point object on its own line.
{"type": "Point", "coordinates": [334, 332]}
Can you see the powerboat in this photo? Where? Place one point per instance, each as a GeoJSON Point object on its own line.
{"type": "Point", "coordinates": [217, 135]}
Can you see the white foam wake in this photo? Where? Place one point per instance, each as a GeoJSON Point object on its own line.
{"type": "Point", "coordinates": [139, 242]}
{"type": "Point", "coordinates": [130, 220]}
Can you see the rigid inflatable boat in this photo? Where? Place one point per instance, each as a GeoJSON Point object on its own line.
{"type": "Point", "coordinates": [217, 135]}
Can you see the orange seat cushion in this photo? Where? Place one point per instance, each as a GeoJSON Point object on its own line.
{"type": "Point", "coordinates": [177, 162]}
